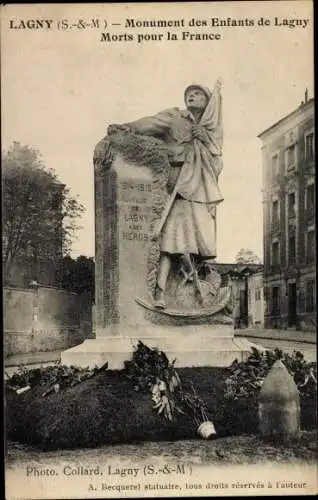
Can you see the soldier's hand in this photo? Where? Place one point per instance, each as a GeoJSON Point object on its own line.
{"type": "Point", "coordinates": [219, 83]}
{"type": "Point", "coordinates": [112, 129]}
{"type": "Point", "coordinates": [115, 129]}
{"type": "Point", "coordinates": [200, 133]}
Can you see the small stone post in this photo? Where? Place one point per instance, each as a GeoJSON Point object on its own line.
{"type": "Point", "coordinates": [279, 405]}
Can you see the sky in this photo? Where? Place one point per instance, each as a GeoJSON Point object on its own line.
{"type": "Point", "coordinates": [61, 89]}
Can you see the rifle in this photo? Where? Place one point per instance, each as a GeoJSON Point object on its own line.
{"type": "Point", "coordinates": [165, 213]}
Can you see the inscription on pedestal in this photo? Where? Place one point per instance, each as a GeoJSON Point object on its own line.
{"type": "Point", "coordinates": [134, 209]}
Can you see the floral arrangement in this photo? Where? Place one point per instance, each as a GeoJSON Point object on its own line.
{"type": "Point", "coordinates": [151, 371]}
{"type": "Point", "coordinates": [247, 376]}
{"type": "Point", "coordinates": [54, 377]}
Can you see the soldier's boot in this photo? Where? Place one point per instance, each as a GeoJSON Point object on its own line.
{"type": "Point", "coordinates": [159, 298]}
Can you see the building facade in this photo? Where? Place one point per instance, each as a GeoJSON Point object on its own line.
{"type": "Point", "coordinates": [246, 282]}
{"type": "Point", "coordinates": [288, 148]}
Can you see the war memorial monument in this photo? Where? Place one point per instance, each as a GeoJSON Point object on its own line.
{"type": "Point", "coordinates": [156, 199]}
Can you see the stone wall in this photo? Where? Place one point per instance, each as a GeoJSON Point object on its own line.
{"type": "Point", "coordinates": [46, 319]}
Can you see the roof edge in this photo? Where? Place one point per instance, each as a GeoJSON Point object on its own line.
{"type": "Point", "coordinates": [286, 117]}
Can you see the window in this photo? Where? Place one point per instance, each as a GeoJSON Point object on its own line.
{"type": "Point", "coordinates": [309, 146]}
{"type": "Point", "coordinates": [310, 296]}
{"type": "Point", "coordinates": [310, 199]}
{"type": "Point", "coordinates": [258, 294]}
{"type": "Point", "coordinates": [311, 246]}
{"type": "Point", "coordinates": [275, 169]}
{"type": "Point", "coordinates": [291, 249]}
{"type": "Point", "coordinates": [275, 212]}
{"type": "Point", "coordinates": [275, 254]}
{"type": "Point", "coordinates": [291, 205]}
{"type": "Point", "coordinates": [275, 300]}
{"type": "Point", "coordinates": [291, 156]}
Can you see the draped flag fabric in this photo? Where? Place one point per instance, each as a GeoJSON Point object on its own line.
{"type": "Point", "coordinates": [198, 179]}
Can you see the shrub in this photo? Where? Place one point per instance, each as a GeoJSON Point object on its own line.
{"type": "Point", "coordinates": [242, 387]}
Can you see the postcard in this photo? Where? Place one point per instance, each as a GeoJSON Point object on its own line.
{"type": "Point", "coordinates": [159, 249]}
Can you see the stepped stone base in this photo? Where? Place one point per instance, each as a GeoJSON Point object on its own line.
{"type": "Point", "coordinates": [205, 345]}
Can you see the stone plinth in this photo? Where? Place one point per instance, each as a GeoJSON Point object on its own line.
{"type": "Point", "coordinates": [205, 345]}
{"type": "Point", "coordinates": [128, 199]}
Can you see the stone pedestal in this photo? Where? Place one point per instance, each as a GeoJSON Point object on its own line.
{"type": "Point", "coordinates": [206, 345]}
{"type": "Point", "coordinates": [123, 213]}
{"type": "Point", "coordinates": [125, 206]}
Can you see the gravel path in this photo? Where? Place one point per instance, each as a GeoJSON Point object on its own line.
{"type": "Point", "coordinates": [230, 450]}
